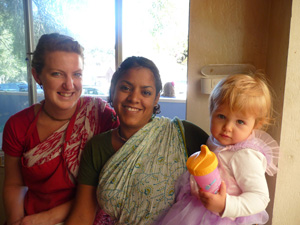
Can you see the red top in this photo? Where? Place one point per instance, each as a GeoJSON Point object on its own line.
{"type": "Point", "coordinates": [51, 177]}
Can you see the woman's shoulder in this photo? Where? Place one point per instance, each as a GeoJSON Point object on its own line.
{"type": "Point", "coordinates": [99, 146]}
{"type": "Point", "coordinates": [15, 130]}
{"type": "Point", "coordinates": [101, 104]}
{"type": "Point", "coordinates": [102, 137]}
{"type": "Point", "coordinates": [100, 143]}
{"type": "Point", "coordinates": [22, 117]}
{"type": "Point", "coordinates": [105, 115]}
{"type": "Point", "coordinates": [96, 153]}
{"type": "Point", "coordinates": [90, 100]}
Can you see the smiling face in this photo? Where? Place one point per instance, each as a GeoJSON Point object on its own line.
{"type": "Point", "coordinates": [61, 78]}
{"type": "Point", "coordinates": [230, 127]}
{"type": "Point", "coordinates": [134, 98]}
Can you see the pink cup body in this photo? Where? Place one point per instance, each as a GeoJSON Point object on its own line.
{"type": "Point", "coordinates": [210, 182]}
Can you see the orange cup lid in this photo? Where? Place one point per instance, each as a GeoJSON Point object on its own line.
{"type": "Point", "coordinates": [203, 162]}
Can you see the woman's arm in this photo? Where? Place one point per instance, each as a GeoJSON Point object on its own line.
{"type": "Point", "coordinates": [14, 190]}
{"type": "Point", "coordinates": [85, 207]}
{"type": "Point", "coordinates": [52, 216]}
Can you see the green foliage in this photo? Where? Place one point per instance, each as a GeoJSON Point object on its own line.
{"type": "Point", "coordinates": [48, 18]}
{"type": "Point", "coordinates": [12, 47]}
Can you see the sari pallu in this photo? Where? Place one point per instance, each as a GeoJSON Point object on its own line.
{"type": "Point", "coordinates": [50, 168]}
{"type": "Point", "coordinates": [137, 183]}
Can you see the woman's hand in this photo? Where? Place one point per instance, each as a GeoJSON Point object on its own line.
{"type": "Point", "coordinates": [39, 218]}
{"type": "Point", "coordinates": [214, 202]}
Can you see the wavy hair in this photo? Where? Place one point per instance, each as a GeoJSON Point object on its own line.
{"type": "Point", "coordinates": [248, 94]}
{"type": "Point", "coordinates": [50, 43]}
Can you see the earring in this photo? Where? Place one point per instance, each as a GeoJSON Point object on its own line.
{"type": "Point", "coordinates": [153, 116]}
{"type": "Point", "coordinates": [114, 117]}
{"type": "Point", "coordinates": [156, 109]}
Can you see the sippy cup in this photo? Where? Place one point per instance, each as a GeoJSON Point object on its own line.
{"type": "Point", "coordinates": [203, 166]}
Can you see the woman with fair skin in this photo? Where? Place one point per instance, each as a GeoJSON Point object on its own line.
{"type": "Point", "coordinates": [43, 143]}
{"type": "Point", "coordinates": [130, 171]}
{"type": "Point", "coordinates": [240, 107]}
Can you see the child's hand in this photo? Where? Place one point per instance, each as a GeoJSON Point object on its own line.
{"type": "Point", "coordinates": [214, 202]}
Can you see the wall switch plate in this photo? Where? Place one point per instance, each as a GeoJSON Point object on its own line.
{"type": "Point", "coordinates": [212, 74]}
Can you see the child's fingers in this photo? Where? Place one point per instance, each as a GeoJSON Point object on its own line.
{"type": "Point", "coordinates": [206, 195]}
{"type": "Point", "coordinates": [202, 193]}
{"type": "Point", "coordinates": [222, 190]}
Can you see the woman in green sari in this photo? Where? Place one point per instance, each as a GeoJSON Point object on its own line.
{"type": "Point", "coordinates": [127, 175]}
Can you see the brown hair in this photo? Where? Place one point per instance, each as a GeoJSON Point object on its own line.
{"type": "Point", "coordinates": [50, 43]}
{"type": "Point", "coordinates": [168, 90]}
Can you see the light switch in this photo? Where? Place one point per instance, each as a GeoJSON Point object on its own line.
{"type": "Point", "coordinates": [208, 84]}
{"type": "Point", "coordinates": [212, 74]}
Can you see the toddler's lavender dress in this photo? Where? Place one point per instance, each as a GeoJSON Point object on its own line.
{"type": "Point", "coordinates": [189, 210]}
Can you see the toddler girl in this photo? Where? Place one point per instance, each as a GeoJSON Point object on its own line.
{"type": "Point", "coordinates": [240, 109]}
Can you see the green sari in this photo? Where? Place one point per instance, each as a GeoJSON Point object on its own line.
{"type": "Point", "coordinates": [137, 183]}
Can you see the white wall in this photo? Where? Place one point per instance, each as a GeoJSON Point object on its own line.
{"type": "Point", "coordinates": [287, 195]}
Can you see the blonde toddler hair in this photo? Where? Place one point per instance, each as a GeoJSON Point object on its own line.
{"type": "Point", "coordinates": [248, 94]}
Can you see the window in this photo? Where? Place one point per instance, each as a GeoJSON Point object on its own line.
{"type": "Point", "coordinates": [13, 71]}
{"type": "Point", "coordinates": [156, 29]}
{"type": "Point", "coordinates": [92, 23]}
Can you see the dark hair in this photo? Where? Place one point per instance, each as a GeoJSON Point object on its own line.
{"type": "Point", "coordinates": [135, 62]}
{"type": "Point", "coordinates": [168, 90]}
{"type": "Point", "coordinates": [50, 43]}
